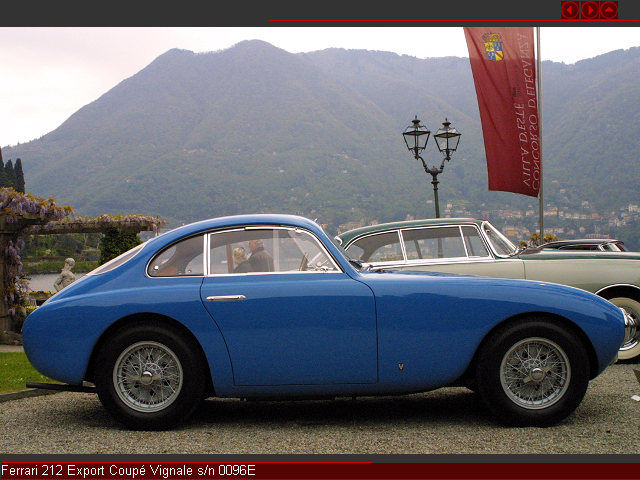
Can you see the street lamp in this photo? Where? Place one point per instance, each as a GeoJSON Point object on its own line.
{"type": "Point", "coordinates": [447, 138]}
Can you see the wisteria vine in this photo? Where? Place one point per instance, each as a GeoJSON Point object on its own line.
{"type": "Point", "coordinates": [106, 221]}
{"type": "Point", "coordinates": [23, 214]}
{"type": "Point", "coordinates": [18, 212]}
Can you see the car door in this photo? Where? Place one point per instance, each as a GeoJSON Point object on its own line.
{"type": "Point", "coordinates": [304, 323]}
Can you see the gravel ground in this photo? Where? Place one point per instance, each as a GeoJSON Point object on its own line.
{"type": "Point", "coordinates": [446, 421]}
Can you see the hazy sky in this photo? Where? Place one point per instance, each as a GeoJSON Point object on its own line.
{"type": "Point", "coordinates": [50, 73]}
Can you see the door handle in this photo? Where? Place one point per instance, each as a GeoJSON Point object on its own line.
{"type": "Point", "coordinates": [225, 298]}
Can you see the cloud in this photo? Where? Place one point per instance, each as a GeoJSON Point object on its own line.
{"type": "Point", "coordinates": [50, 73]}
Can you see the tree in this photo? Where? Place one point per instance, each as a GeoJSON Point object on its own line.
{"type": "Point", "coordinates": [11, 175]}
{"type": "Point", "coordinates": [3, 175]}
{"type": "Point", "coordinates": [534, 240]}
{"type": "Point", "coordinates": [116, 242]}
{"type": "Point", "coordinates": [19, 176]}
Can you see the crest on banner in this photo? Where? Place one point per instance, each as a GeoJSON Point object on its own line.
{"type": "Point", "coordinates": [493, 46]}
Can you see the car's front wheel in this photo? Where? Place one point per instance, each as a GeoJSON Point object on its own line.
{"type": "Point", "coordinates": [149, 377]}
{"type": "Point", "coordinates": [631, 345]}
{"type": "Point", "coordinates": [532, 373]}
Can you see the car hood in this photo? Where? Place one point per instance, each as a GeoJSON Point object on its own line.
{"type": "Point", "coordinates": [418, 272]}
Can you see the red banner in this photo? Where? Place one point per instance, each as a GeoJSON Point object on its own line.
{"type": "Point", "coordinates": [313, 470]}
{"type": "Point", "coordinates": [504, 72]}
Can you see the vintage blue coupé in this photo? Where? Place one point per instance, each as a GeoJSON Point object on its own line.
{"type": "Point", "coordinates": [264, 306]}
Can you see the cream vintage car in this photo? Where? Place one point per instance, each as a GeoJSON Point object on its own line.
{"type": "Point", "coordinates": [476, 247]}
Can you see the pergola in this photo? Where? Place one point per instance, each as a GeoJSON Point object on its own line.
{"type": "Point", "coordinates": [123, 223]}
{"type": "Point", "coordinates": [24, 214]}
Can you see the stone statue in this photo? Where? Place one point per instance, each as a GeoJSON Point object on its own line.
{"type": "Point", "coordinates": [66, 276]}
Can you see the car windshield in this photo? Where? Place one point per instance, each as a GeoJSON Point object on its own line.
{"type": "Point", "coordinates": [357, 264]}
{"type": "Point", "coordinates": [500, 244]}
{"type": "Point", "coordinates": [616, 247]}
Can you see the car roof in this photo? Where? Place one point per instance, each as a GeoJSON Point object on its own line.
{"type": "Point", "coordinates": [230, 221]}
{"type": "Point", "coordinates": [356, 232]}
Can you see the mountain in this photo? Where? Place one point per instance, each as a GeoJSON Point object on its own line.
{"type": "Point", "coordinates": [257, 129]}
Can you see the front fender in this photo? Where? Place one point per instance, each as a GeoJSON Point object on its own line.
{"type": "Point", "coordinates": [435, 323]}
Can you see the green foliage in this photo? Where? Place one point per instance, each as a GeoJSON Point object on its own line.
{"type": "Point", "coordinates": [54, 266]}
{"type": "Point", "coordinates": [11, 178]}
{"type": "Point", "coordinates": [16, 371]}
{"type": "Point", "coordinates": [4, 182]}
{"type": "Point", "coordinates": [115, 243]}
{"type": "Point", "coordinates": [80, 246]}
{"type": "Point", "coordinates": [20, 185]}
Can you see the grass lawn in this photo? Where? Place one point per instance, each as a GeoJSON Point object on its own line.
{"type": "Point", "coordinates": [16, 371]}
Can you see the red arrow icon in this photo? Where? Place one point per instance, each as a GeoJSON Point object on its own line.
{"type": "Point", "coordinates": [609, 10]}
{"type": "Point", "coordinates": [569, 10]}
{"type": "Point", "coordinates": [590, 10]}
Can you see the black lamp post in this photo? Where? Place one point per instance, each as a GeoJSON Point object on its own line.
{"type": "Point", "coordinates": [447, 138]}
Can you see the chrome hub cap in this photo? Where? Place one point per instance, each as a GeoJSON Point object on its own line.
{"type": "Point", "coordinates": [631, 328]}
{"type": "Point", "coordinates": [148, 376]}
{"type": "Point", "coordinates": [535, 373]}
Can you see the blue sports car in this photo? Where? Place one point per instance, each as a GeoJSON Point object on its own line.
{"type": "Point", "coordinates": [264, 306]}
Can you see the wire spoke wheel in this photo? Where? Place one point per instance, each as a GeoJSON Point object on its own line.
{"type": "Point", "coordinates": [148, 376]}
{"type": "Point", "coordinates": [535, 373]}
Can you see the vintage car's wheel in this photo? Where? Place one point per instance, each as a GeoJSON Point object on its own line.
{"type": "Point", "coordinates": [149, 377]}
{"type": "Point", "coordinates": [532, 373]}
{"type": "Point", "coordinates": [631, 346]}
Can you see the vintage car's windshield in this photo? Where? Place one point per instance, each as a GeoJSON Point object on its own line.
{"type": "Point", "coordinates": [357, 264]}
{"type": "Point", "coordinates": [500, 244]}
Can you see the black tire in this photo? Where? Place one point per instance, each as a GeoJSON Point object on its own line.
{"type": "Point", "coordinates": [160, 393]}
{"type": "Point", "coordinates": [532, 373]}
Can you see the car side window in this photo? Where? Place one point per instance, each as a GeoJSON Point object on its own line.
{"type": "Point", "coordinates": [383, 247]}
{"type": "Point", "coordinates": [579, 247]}
{"type": "Point", "coordinates": [429, 243]}
{"type": "Point", "coordinates": [184, 258]}
{"type": "Point", "coordinates": [260, 250]}
{"type": "Point", "coordinates": [475, 246]}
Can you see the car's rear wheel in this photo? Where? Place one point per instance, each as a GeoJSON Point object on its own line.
{"type": "Point", "coordinates": [149, 376]}
{"type": "Point", "coordinates": [532, 373]}
{"type": "Point", "coordinates": [631, 345]}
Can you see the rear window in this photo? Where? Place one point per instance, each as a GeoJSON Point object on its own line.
{"type": "Point", "coordinates": [184, 258]}
{"type": "Point", "coordinates": [116, 262]}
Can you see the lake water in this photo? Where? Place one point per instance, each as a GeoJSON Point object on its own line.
{"type": "Point", "coordinates": [45, 281]}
